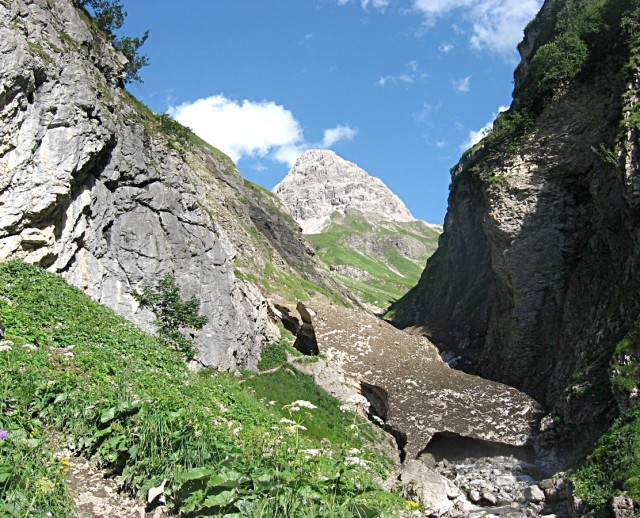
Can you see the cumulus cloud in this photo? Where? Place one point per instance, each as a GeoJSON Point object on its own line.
{"type": "Point", "coordinates": [378, 4]}
{"type": "Point", "coordinates": [334, 135]}
{"type": "Point", "coordinates": [496, 25]}
{"type": "Point", "coordinates": [462, 85]}
{"type": "Point", "coordinates": [252, 129]}
{"type": "Point", "coordinates": [477, 136]}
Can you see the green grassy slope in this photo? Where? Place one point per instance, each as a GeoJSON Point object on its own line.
{"type": "Point", "coordinates": [74, 370]}
{"type": "Point", "coordinates": [376, 250]}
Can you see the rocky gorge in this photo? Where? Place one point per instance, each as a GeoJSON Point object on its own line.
{"type": "Point", "coordinates": [517, 346]}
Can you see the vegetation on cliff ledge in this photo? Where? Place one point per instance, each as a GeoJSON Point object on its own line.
{"type": "Point", "coordinates": [76, 373]}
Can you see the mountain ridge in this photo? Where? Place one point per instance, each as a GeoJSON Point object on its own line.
{"type": "Point", "coordinates": [358, 227]}
{"type": "Point", "coordinates": [321, 183]}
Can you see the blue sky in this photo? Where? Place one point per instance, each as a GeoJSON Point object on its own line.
{"type": "Point", "coordinates": [400, 87]}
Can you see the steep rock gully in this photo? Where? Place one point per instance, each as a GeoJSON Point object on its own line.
{"type": "Point", "coordinates": [478, 433]}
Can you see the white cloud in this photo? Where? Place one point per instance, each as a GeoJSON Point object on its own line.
{"type": "Point", "coordinates": [462, 85]}
{"type": "Point", "coordinates": [376, 4]}
{"type": "Point", "coordinates": [445, 48]}
{"type": "Point", "coordinates": [423, 115]}
{"type": "Point", "coordinates": [410, 77]}
{"type": "Point", "coordinates": [440, 144]}
{"type": "Point", "coordinates": [496, 25]}
{"type": "Point", "coordinates": [252, 129]}
{"type": "Point", "coordinates": [306, 38]}
{"type": "Point", "coordinates": [477, 136]}
{"type": "Point", "coordinates": [337, 134]}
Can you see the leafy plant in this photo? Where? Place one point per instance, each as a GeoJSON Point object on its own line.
{"type": "Point", "coordinates": [173, 313]}
{"type": "Point", "coordinates": [558, 62]}
{"type": "Point", "coordinates": [614, 465]}
{"type": "Point", "coordinates": [605, 154]}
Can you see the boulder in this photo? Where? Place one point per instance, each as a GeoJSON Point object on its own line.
{"type": "Point", "coordinates": [425, 486]}
{"type": "Point", "coordinates": [534, 494]}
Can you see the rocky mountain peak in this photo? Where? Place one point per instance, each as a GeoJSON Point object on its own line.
{"type": "Point", "coordinates": [321, 183]}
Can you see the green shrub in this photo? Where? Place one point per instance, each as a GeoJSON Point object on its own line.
{"type": "Point", "coordinates": [558, 62]}
{"type": "Point", "coordinates": [614, 465]}
{"type": "Point", "coordinates": [626, 362]}
{"type": "Point", "coordinates": [174, 314]}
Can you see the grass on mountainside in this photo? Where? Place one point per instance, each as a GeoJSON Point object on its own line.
{"type": "Point", "coordinates": [227, 445]}
{"type": "Point", "coordinates": [391, 274]}
{"type": "Point", "coordinates": [614, 465]}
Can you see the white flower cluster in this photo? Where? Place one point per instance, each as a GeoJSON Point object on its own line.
{"type": "Point", "coordinates": [354, 403]}
{"type": "Point", "coordinates": [301, 403]}
{"type": "Point", "coordinates": [355, 461]}
{"type": "Point", "coordinates": [293, 426]}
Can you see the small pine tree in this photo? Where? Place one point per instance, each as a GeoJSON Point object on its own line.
{"type": "Point", "coordinates": [173, 314]}
{"type": "Point", "coordinates": [109, 15]}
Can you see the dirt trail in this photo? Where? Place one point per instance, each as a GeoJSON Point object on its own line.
{"type": "Point", "coordinates": [96, 496]}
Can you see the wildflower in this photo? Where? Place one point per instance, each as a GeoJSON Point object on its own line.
{"type": "Point", "coordinates": [31, 347]}
{"type": "Point", "coordinates": [411, 504]}
{"type": "Point", "coordinates": [287, 421]}
{"type": "Point", "coordinates": [355, 461]}
{"type": "Point", "coordinates": [64, 465]}
{"type": "Point", "coordinates": [354, 403]}
{"type": "Point", "coordinates": [301, 403]}
{"type": "Point", "coordinates": [3, 434]}
{"type": "Point", "coordinates": [271, 403]}
{"type": "Point", "coordinates": [44, 486]}
{"type": "Point", "coordinates": [5, 348]}
{"type": "Point", "coordinates": [311, 452]}
{"type": "Point", "coordinates": [353, 451]}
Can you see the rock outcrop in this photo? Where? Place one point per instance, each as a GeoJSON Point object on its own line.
{"type": "Point", "coordinates": [536, 275]}
{"type": "Point", "coordinates": [321, 183]}
{"type": "Point", "coordinates": [409, 387]}
{"type": "Point", "coordinates": [95, 186]}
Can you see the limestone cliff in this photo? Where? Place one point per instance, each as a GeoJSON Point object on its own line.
{"type": "Point", "coordinates": [358, 227]}
{"type": "Point", "coordinates": [536, 275]}
{"type": "Point", "coordinates": [321, 183]}
{"type": "Point", "coordinates": [95, 186]}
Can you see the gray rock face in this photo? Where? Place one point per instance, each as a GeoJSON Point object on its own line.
{"type": "Point", "coordinates": [321, 183]}
{"type": "Point", "coordinates": [89, 190]}
{"type": "Point", "coordinates": [536, 279]}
